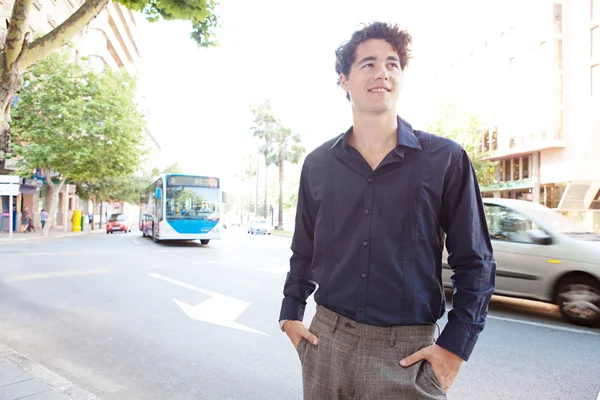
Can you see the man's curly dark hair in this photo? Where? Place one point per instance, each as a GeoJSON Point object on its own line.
{"type": "Point", "coordinates": [398, 38]}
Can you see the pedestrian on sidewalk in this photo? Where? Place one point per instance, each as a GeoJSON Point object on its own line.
{"type": "Point", "coordinates": [43, 218]}
{"type": "Point", "coordinates": [375, 207]}
{"type": "Point", "coordinates": [25, 219]}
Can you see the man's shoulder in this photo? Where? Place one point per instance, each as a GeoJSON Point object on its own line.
{"type": "Point", "coordinates": [322, 152]}
{"type": "Point", "coordinates": [438, 142]}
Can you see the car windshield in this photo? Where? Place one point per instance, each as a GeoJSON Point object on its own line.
{"type": "Point", "coordinates": [117, 217]}
{"type": "Point", "coordinates": [190, 202]}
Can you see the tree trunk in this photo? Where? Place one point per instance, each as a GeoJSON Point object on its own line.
{"type": "Point", "coordinates": [93, 210]}
{"type": "Point", "coordinates": [101, 212]}
{"type": "Point", "coordinates": [13, 47]}
{"type": "Point", "coordinates": [54, 191]}
{"type": "Point", "coordinates": [257, 180]}
{"type": "Point", "coordinates": [16, 54]}
{"type": "Point", "coordinates": [280, 215]}
{"type": "Point", "coordinates": [265, 205]}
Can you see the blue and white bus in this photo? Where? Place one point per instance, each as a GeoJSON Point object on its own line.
{"type": "Point", "coordinates": [181, 207]}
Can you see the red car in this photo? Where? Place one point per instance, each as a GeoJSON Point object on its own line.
{"type": "Point", "coordinates": [118, 223]}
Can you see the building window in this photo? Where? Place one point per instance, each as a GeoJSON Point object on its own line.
{"type": "Point", "coordinates": [511, 143]}
{"type": "Point", "coordinates": [595, 43]}
{"type": "Point", "coordinates": [558, 124]}
{"type": "Point", "coordinates": [558, 89]}
{"type": "Point", "coordinates": [515, 169]}
{"type": "Point", "coordinates": [557, 18]}
{"type": "Point", "coordinates": [494, 143]}
{"type": "Point", "coordinates": [558, 53]}
{"type": "Point", "coordinates": [525, 167]}
{"type": "Point", "coordinates": [507, 171]}
{"type": "Point", "coordinates": [485, 146]}
{"type": "Point", "coordinates": [595, 80]}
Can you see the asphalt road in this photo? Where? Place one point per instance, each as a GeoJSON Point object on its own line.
{"type": "Point", "coordinates": [119, 316]}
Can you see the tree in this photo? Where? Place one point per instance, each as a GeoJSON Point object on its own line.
{"type": "Point", "coordinates": [17, 54]}
{"type": "Point", "coordinates": [286, 148]}
{"type": "Point", "coordinates": [76, 124]}
{"type": "Point", "coordinates": [468, 131]}
{"type": "Point", "coordinates": [264, 128]}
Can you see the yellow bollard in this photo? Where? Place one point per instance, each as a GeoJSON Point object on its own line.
{"type": "Point", "coordinates": [76, 220]}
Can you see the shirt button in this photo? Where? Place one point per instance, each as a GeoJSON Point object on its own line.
{"type": "Point", "coordinates": [365, 243]}
{"type": "Point", "coordinates": [361, 309]}
{"type": "Point", "coordinates": [363, 275]}
{"type": "Point", "coordinates": [370, 180]}
{"type": "Point", "coordinates": [367, 211]}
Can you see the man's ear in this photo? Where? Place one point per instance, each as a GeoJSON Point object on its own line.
{"type": "Point", "coordinates": [344, 82]}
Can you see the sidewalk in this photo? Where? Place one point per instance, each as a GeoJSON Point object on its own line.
{"type": "Point", "coordinates": [52, 234]}
{"type": "Point", "coordinates": [20, 378]}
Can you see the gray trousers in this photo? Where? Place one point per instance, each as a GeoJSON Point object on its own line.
{"type": "Point", "coordinates": [358, 361]}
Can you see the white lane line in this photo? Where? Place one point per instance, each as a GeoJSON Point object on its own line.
{"type": "Point", "coordinates": [598, 398]}
{"type": "Point", "coordinates": [560, 328]}
{"type": "Point", "coordinates": [135, 241]}
{"type": "Point", "coordinates": [184, 285]}
{"type": "Point", "coordinates": [189, 260]}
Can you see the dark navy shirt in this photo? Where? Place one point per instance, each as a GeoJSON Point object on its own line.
{"type": "Point", "coordinates": [372, 240]}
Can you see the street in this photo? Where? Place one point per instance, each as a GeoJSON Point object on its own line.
{"type": "Point", "coordinates": [125, 318]}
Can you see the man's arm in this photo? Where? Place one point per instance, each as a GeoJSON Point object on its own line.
{"type": "Point", "coordinates": [470, 257]}
{"type": "Point", "coordinates": [299, 284]}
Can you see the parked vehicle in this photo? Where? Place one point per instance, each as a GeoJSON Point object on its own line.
{"type": "Point", "coordinates": [259, 226]}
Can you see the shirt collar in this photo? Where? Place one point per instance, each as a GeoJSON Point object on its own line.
{"type": "Point", "coordinates": [406, 138]}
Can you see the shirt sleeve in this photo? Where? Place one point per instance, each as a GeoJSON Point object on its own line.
{"type": "Point", "coordinates": [470, 257]}
{"type": "Point", "coordinates": [299, 284]}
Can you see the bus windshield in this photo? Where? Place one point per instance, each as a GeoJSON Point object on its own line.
{"type": "Point", "coordinates": [190, 202]}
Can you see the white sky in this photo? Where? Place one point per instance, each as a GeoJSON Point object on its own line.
{"type": "Point", "coordinates": [199, 99]}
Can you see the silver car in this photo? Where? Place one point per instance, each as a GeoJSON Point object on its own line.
{"type": "Point", "coordinates": [541, 255]}
{"type": "Point", "coordinates": [260, 226]}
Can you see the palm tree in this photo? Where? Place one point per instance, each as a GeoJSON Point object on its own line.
{"type": "Point", "coordinates": [286, 148]}
{"type": "Point", "coordinates": [264, 128]}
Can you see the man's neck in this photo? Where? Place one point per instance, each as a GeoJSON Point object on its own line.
{"type": "Point", "coordinates": [375, 133]}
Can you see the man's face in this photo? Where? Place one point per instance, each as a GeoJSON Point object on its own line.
{"type": "Point", "coordinates": [375, 78]}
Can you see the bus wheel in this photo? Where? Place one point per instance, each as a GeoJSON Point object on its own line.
{"type": "Point", "coordinates": [204, 241]}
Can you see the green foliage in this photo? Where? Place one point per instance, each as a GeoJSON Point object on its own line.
{"type": "Point", "coordinates": [279, 146]}
{"type": "Point", "coordinates": [82, 125]}
{"type": "Point", "coordinates": [468, 130]}
{"type": "Point", "coordinates": [286, 146]}
{"type": "Point", "coordinates": [264, 128]}
{"type": "Point", "coordinates": [200, 12]}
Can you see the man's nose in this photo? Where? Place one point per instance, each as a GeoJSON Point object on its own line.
{"type": "Point", "coordinates": [382, 72]}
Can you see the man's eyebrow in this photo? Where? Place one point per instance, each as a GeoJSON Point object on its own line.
{"type": "Point", "coordinates": [373, 58]}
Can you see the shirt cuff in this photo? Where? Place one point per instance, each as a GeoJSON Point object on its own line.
{"type": "Point", "coordinates": [292, 309]}
{"type": "Point", "coordinates": [457, 340]}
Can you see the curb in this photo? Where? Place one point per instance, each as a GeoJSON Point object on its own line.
{"type": "Point", "coordinates": [52, 379]}
{"type": "Point", "coordinates": [21, 239]}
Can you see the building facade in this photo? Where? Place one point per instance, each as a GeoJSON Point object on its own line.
{"type": "Point", "coordinates": [536, 84]}
{"type": "Point", "coordinates": [111, 40]}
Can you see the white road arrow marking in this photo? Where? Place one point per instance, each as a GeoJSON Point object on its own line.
{"type": "Point", "coordinates": [219, 309]}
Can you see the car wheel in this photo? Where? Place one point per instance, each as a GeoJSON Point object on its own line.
{"type": "Point", "coordinates": [204, 241]}
{"type": "Point", "coordinates": [154, 238]}
{"type": "Point", "coordinates": [107, 232]}
{"type": "Point", "coordinates": [578, 298]}
{"type": "Point", "coordinates": [111, 232]}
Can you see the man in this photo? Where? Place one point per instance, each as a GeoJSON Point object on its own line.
{"type": "Point", "coordinates": [374, 206]}
{"type": "Point", "coordinates": [43, 217]}
{"type": "Point", "coordinates": [25, 219]}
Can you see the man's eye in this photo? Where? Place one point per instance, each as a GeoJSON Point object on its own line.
{"type": "Point", "coordinates": [394, 65]}
{"type": "Point", "coordinates": [368, 65]}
